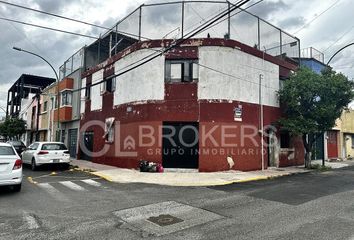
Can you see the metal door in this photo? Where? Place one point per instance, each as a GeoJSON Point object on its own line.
{"type": "Point", "coordinates": [87, 139]}
{"type": "Point", "coordinates": [181, 149]}
{"type": "Point", "coordinates": [72, 142]}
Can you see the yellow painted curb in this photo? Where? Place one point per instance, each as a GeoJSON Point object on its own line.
{"type": "Point", "coordinates": [253, 179]}
{"type": "Point", "coordinates": [105, 177]}
{"type": "Point", "coordinates": [30, 179]}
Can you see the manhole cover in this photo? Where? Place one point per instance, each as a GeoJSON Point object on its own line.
{"type": "Point", "coordinates": [165, 220]}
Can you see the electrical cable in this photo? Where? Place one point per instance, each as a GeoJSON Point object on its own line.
{"type": "Point", "coordinates": [47, 28]}
{"type": "Point", "coordinates": [316, 17]}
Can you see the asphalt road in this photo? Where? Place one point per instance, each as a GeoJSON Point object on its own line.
{"type": "Point", "coordinates": [76, 205]}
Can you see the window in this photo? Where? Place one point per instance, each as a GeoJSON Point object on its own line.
{"type": "Point", "coordinates": [45, 106]}
{"type": "Point", "coordinates": [108, 86]}
{"type": "Point", "coordinates": [284, 140]}
{"type": "Point", "coordinates": [33, 146]}
{"type": "Point", "coordinates": [52, 104]}
{"type": "Point", "coordinates": [332, 137]}
{"type": "Point", "coordinates": [66, 98]}
{"type": "Point", "coordinates": [53, 146]}
{"type": "Point", "coordinates": [181, 71]}
{"type": "Point", "coordinates": [109, 130]}
{"type": "Point", "coordinates": [4, 150]}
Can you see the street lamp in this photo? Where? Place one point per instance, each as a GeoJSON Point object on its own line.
{"type": "Point", "coordinates": [55, 72]}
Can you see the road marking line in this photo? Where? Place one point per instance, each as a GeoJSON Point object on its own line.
{"type": "Point", "coordinates": [55, 193]}
{"type": "Point", "coordinates": [72, 186]}
{"type": "Point", "coordinates": [30, 220]}
{"type": "Point", "coordinates": [91, 182]}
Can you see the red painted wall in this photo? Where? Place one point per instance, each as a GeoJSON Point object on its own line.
{"type": "Point", "coordinates": [181, 104]}
{"type": "Point", "coordinates": [247, 156]}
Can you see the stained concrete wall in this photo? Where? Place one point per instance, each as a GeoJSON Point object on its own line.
{"type": "Point", "coordinates": [96, 97]}
{"type": "Point", "coordinates": [143, 83]}
{"type": "Point", "coordinates": [245, 69]}
{"type": "Point", "coordinates": [82, 99]}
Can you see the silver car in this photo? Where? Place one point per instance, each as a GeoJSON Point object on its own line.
{"type": "Point", "coordinates": [10, 167]}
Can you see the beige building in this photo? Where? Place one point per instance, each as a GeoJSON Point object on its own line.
{"type": "Point", "coordinates": [347, 134]}
{"type": "Point", "coordinates": [47, 122]}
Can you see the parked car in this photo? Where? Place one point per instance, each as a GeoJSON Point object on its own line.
{"type": "Point", "coordinates": [10, 167]}
{"type": "Point", "coordinates": [40, 153]}
{"type": "Point", "coordinates": [18, 145]}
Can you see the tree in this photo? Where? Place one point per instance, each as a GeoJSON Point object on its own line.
{"type": "Point", "coordinates": [312, 102]}
{"type": "Point", "coordinates": [12, 128]}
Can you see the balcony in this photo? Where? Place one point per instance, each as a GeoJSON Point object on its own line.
{"type": "Point", "coordinates": [66, 83]}
{"type": "Point", "coordinates": [65, 114]}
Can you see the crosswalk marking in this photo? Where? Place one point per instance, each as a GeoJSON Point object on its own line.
{"type": "Point", "coordinates": [72, 186]}
{"type": "Point", "coordinates": [91, 182]}
{"type": "Point", "coordinates": [53, 191]}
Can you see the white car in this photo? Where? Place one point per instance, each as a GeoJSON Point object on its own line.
{"type": "Point", "coordinates": [10, 167]}
{"type": "Point", "coordinates": [40, 153]}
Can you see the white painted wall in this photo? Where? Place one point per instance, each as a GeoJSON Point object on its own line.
{"type": "Point", "coordinates": [96, 98]}
{"type": "Point", "coordinates": [245, 85]}
{"type": "Point", "coordinates": [144, 83]}
{"type": "Point", "coordinates": [82, 98]}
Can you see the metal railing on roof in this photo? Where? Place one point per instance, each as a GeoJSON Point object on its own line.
{"type": "Point", "coordinates": [312, 53]}
{"type": "Point", "coordinates": [172, 20]}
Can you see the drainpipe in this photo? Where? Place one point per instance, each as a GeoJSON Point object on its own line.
{"type": "Point", "coordinates": [261, 127]}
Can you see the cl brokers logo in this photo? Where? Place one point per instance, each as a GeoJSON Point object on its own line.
{"type": "Point", "coordinates": [129, 143]}
{"type": "Point", "coordinates": [218, 140]}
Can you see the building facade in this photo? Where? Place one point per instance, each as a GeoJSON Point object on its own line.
{"type": "Point", "coordinates": [208, 86]}
{"type": "Point", "coordinates": [204, 104]}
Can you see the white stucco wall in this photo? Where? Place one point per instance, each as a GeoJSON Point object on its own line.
{"type": "Point", "coordinates": [96, 97]}
{"type": "Point", "coordinates": [144, 83]}
{"type": "Point", "coordinates": [245, 68]}
{"type": "Point", "coordinates": [82, 96]}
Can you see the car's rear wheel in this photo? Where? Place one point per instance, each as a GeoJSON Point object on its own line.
{"type": "Point", "coordinates": [33, 165]}
{"type": "Point", "coordinates": [17, 188]}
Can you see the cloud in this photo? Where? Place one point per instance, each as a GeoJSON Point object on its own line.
{"type": "Point", "coordinates": [53, 6]}
{"type": "Point", "coordinates": [267, 9]}
{"type": "Point", "coordinates": [292, 22]}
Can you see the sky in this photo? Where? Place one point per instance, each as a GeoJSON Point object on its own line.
{"type": "Point", "coordinates": [324, 30]}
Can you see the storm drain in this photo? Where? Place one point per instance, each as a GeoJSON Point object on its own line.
{"type": "Point", "coordinates": [165, 218]}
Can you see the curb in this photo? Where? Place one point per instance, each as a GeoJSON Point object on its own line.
{"type": "Point", "coordinates": [105, 177]}
{"type": "Point", "coordinates": [220, 183]}
{"type": "Point", "coordinates": [93, 172]}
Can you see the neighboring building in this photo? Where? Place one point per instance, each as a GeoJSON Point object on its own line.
{"type": "Point", "coordinates": [70, 80]}
{"type": "Point", "coordinates": [48, 124]}
{"type": "Point", "coordinates": [204, 84]}
{"type": "Point", "coordinates": [313, 59]}
{"type": "Point", "coordinates": [22, 102]}
{"type": "Point", "coordinates": [22, 90]}
{"type": "Point", "coordinates": [327, 145]}
{"type": "Point", "coordinates": [347, 134]}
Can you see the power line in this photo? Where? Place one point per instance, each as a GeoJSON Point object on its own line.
{"type": "Point", "coordinates": [71, 19]}
{"type": "Point", "coordinates": [233, 76]}
{"type": "Point", "coordinates": [54, 15]}
{"type": "Point", "coordinates": [340, 38]}
{"type": "Point", "coordinates": [47, 28]}
{"type": "Point", "coordinates": [178, 42]}
{"type": "Point", "coordinates": [316, 17]}
{"type": "Point", "coordinates": [242, 10]}
{"type": "Point", "coordinates": [25, 36]}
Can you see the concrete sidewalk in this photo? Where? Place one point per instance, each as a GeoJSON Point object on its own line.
{"type": "Point", "coordinates": [182, 178]}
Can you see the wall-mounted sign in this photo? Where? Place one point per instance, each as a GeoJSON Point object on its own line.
{"type": "Point", "coordinates": [238, 113]}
